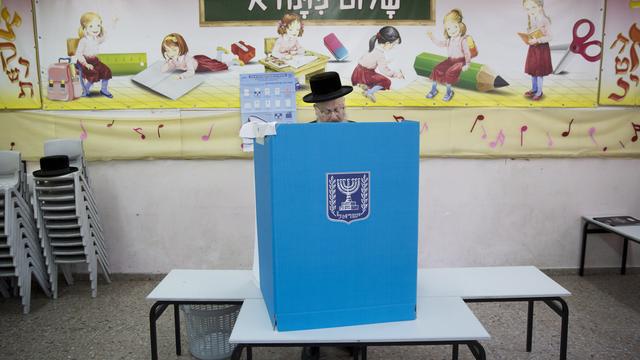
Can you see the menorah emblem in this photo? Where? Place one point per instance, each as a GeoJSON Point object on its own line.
{"type": "Point", "coordinates": [348, 196]}
{"type": "Point", "coordinates": [348, 187]}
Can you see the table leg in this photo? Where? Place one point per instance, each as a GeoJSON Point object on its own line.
{"type": "Point", "coordinates": [356, 352]}
{"type": "Point", "coordinates": [477, 350]}
{"type": "Point", "coordinates": [584, 247]}
{"type": "Point", "coordinates": [363, 354]}
{"type": "Point", "coordinates": [237, 352]}
{"type": "Point", "coordinates": [454, 355]}
{"type": "Point", "coordinates": [529, 326]}
{"type": "Point", "coordinates": [156, 311]}
{"type": "Point", "coordinates": [625, 247]}
{"type": "Point", "coordinates": [249, 353]}
{"type": "Point", "coordinates": [176, 319]}
{"type": "Point", "coordinates": [563, 310]}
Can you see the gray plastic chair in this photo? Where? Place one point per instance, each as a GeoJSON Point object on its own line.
{"type": "Point", "coordinates": [70, 147]}
{"type": "Point", "coordinates": [21, 255]}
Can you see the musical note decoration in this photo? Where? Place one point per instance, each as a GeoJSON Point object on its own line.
{"type": "Point", "coordinates": [478, 118]}
{"type": "Point", "coordinates": [499, 140]}
{"type": "Point", "coordinates": [636, 130]}
{"type": "Point", "coordinates": [13, 146]}
{"type": "Point", "coordinates": [550, 141]}
{"type": "Point", "coordinates": [83, 135]}
{"type": "Point", "coordinates": [523, 130]}
{"type": "Point", "coordinates": [160, 127]}
{"type": "Point", "coordinates": [398, 118]}
{"type": "Point", "coordinates": [424, 126]}
{"type": "Point", "coordinates": [566, 133]}
{"type": "Point", "coordinates": [139, 132]}
{"type": "Point", "coordinates": [208, 136]}
{"type": "Point", "coordinates": [111, 124]}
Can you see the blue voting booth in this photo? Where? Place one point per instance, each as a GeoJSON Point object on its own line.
{"type": "Point", "coordinates": [337, 216]}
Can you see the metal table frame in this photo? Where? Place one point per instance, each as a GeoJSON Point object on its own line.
{"type": "Point", "coordinates": [557, 304]}
{"type": "Point", "coordinates": [361, 347]}
{"type": "Point", "coordinates": [603, 230]}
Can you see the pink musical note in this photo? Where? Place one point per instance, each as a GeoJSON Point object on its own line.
{"type": "Point", "coordinates": [523, 130]}
{"type": "Point", "coordinates": [160, 127]}
{"type": "Point", "coordinates": [636, 129]}
{"type": "Point", "coordinates": [566, 133]}
{"type": "Point", "coordinates": [484, 132]}
{"type": "Point", "coordinates": [139, 131]}
{"type": "Point", "coordinates": [500, 139]}
{"type": "Point", "coordinates": [592, 132]}
{"type": "Point", "coordinates": [398, 118]}
{"type": "Point", "coordinates": [83, 134]}
{"type": "Point", "coordinates": [206, 137]}
{"type": "Point", "coordinates": [550, 142]}
{"type": "Point", "coordinates": [110, 125]}
{"type": "Point", "coordinates": [424, 127]}
{"type": "Point", "coordinates": [13, 145]}
{"type": "Point", "coordinates": [478, 118]}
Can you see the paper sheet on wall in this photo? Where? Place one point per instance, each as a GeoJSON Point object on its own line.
{"type": "Point", "coordinates": [267, 97]}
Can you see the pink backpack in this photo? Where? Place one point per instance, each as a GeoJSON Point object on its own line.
{"type": "Point", "coordinates": [64, 81]}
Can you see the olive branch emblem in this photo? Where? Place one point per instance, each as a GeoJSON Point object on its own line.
{"type": "Point", "coordinates": [332, 195]}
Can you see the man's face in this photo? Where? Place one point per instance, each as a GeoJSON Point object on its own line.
{"type": "Point", "coordinates": [330, 111]}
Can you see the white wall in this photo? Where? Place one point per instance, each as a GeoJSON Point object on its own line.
{"type": "Point", "coordinates": [165, 214]}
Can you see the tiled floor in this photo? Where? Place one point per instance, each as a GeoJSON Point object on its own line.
{"type": "Point", "coordinates": [604, 324]}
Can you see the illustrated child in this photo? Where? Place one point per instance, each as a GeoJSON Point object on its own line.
{"type": "Point", "coordinates": [538, 62]}
{"type": "Point", "coordinates": [290, 29]}
{"type": "Point", "coordinates": [458, 54]}
{"type": "Point", "coordinates": [176, 54]}
{"type": "Point", "coordinates": [91, 35]}
{"type": "Point", "coordinates": [365, 74]}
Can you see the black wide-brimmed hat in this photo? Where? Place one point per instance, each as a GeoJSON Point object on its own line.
{"type": "Point", "coordinates": [326, 86]}
{"type": "Point", "coordinates": [55, 165]}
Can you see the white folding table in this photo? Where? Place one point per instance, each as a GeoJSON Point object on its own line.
{"type": "Point", "coordinates": [627, 233]}
{"type": "Point", "coordinates": [439, 321]}
{"type": "Point", "coordinates": [197, 287]}
{"type": "Point", "coordinates": [500, 284]}
{"type": "Point", "coordinates": [484, 284]}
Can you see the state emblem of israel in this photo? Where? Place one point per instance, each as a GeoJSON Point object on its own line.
{"type": "Point", "coordinates": [348, 196]}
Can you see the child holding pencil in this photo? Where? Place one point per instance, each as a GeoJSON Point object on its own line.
{"type": "Point", "coordinates": [538, 64]}
{"type": "Point", "coordinates": [458, 54]}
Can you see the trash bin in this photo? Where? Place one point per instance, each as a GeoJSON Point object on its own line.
{"type": "Point", "coordinates": [209, 328]}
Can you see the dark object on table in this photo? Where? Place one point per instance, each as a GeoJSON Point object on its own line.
{"type": "Point", "coordinates": [617, 220]}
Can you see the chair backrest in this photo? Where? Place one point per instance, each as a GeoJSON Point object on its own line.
{"type": "Point", "coordinates": [268, 44]}
{"type": "Point", "coordinates": [72, 46]}
{"type": "Point", "coordinates": [70, 147]}
{"type": "Point", "coordinates": [10, 165]}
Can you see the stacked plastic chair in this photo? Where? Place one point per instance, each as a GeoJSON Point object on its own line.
{"type": "Point", "coordinates": [20, 251]}
{"type": "Point", "coordinates": [67, 215]}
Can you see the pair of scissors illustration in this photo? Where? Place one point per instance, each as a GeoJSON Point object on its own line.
{"type": "Point", "coordinates": [579, 46]}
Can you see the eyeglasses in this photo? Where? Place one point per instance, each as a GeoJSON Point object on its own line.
{"type": "Point", "coordinates": [328, 112]}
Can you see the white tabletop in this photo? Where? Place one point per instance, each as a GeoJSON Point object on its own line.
{"type": "Point", "coordinates": [206, 285]}
{"type": "Point", "coordinates": [438, 319]}
{"type": "Point", "coordinates": [630, 231]}
{"type": "Point", "coordinates": [500, 282]}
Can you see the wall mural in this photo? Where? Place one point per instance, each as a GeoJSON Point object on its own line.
{"type": "Point", "coordinates": [544, 78]}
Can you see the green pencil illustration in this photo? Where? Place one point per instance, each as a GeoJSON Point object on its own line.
{"type": "Point", "coordinates": [479, 77]}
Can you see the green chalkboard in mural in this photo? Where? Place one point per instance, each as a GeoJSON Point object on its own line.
{"type": "Point", "coordinates": [265, 12]}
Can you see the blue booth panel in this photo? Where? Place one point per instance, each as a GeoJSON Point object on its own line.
{"type": "Point", "coordinates": [337, 215]}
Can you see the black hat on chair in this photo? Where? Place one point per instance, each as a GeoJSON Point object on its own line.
{"type": "Point", "coordinates": [55, 165]}
{"type": "Point", "coordinates": [326, 86]}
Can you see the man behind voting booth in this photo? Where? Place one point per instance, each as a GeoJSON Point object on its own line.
{"type": "Point", "coordinates": [337, 218]}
